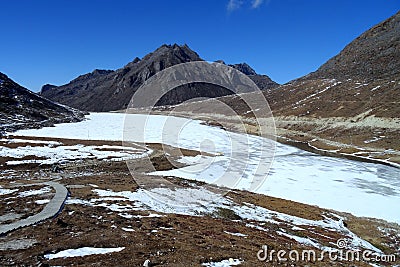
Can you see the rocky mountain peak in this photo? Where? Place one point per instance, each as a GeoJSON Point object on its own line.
{"type": "Point", "coordinates": [245, 68]}
{"type": "Point", "coordinates": [47, 87]}
{"type": "Point", "coordinates": [172, 53]}
{"type": "Point", "coordinates": [220, 61]}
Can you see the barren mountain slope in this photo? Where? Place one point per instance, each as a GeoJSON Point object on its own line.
{"type": "Point", "coordinates": [20, 108]}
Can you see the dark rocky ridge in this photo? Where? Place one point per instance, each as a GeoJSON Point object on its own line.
{"type": "Point", "coordinates": [262, 81]}
{"type": "Point", "coordinates": [244, 67]}
{"type": "Point", "coordinates": [105, 90]}
{"type": "Point", "coordinates": [21, 108]}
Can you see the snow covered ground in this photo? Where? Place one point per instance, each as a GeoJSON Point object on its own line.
{"type": "Point", "coordinates": [6, 191]}
{"type": "Point", "coordinates": [81, 252]}
{"type": "Point", "coordinates": [243, 162]}
{"type": "Point", "coordinates": [223, 263]}
{"type": "Point", "coordinates": [199, 201]}
{"type": "Point", "coordinates": [55, 152]}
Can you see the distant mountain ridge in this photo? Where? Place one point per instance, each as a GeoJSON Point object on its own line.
{"type": "Point", "coordinates": [21, 108]}
{"type": "Point", "coordinates": [107, 90]}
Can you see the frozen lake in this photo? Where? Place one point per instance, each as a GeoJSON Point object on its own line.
{"type": "Point", "coordinates": [248, 162]}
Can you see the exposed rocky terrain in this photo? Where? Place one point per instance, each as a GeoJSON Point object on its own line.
{"type": "Point", "coordinates": [105, 90]}
{"type": "Point", "coordinates": [21, 108]}
{"type": "Point", "coordinates": [108, 209]}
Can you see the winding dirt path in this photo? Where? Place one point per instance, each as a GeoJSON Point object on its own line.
{"type": "Point", "coordinates": [50, 210]}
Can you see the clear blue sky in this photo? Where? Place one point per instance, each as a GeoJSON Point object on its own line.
{"type": "Point", "coordinates": [54, 41]}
